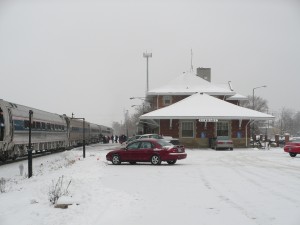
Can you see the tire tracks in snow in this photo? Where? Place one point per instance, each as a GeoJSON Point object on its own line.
{"type": "Point", "coordinates": [223, 196]}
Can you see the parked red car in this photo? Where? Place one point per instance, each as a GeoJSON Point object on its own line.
{"type": "Point", "coordinates": [147, 150]}
{"type": "Point", "coordinates": [293, 147]}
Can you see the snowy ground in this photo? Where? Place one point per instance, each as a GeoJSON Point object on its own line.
{"type": "Point", "coordinates": [244, 186]}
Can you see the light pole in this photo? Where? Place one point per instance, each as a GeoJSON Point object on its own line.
{"type": "Point", "coordinates": [147, 56]}
{"type": "Point", "coordinates": [141, 98]}
{"type": "Point", "coordinates": [254, 107]}
{"type": "Point", "coordinates": [145, 101]}
{"type": "Point", "coordinates": [140, 107]}
{"type": "Point", "coordinates": [29, 151]}
{"type": "Point", "coordinates": [253, 94]}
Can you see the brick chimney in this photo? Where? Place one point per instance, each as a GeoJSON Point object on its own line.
{"type": "Point", "coordinates": [204, 73]}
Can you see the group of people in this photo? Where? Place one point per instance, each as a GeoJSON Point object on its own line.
{"type": "Point", "coordinates": [115, 139]}
{"type": "Point", "coordinates": [118, 139]}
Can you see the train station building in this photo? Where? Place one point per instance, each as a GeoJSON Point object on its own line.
{"type": "Point", "coordinates": [194, 110]}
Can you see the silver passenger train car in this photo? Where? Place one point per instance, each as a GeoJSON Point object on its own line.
{"type": "Point", "coordinates": [50, 131]}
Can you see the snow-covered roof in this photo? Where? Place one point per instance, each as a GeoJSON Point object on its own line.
{"type": "Point", "coordinates": [203, 106]}
{"type": "Point", "coordinates": [237, 97]}
{"type": "Point", "coordinates": [190, 83]}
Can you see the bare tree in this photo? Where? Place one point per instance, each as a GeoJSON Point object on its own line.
{"type": "Point", "coordinates": [117, 127]}
{"type": "Point", "coordinates": [260, 105]}
{"type": "Point", "coordinates": [288, 122]}
{"type": "Point", "coordinates": [297, 123]}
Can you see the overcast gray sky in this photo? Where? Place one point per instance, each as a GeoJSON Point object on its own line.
{"type": "Point", "coordinates": [86, 56]}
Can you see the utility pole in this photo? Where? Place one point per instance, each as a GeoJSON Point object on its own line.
{"type": "Point", "coordinates": [147, 56]}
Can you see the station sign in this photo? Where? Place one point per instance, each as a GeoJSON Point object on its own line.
{"type": "Point", "coordinates": [208, 120]}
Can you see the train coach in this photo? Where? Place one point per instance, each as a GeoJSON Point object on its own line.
{"type": "Point", "coordinates": [92, 132]}
{"type": "Point", "coordinates": [50, 131]}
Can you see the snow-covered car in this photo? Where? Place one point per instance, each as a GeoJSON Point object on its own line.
{"type": "Point", "coordinates": [221, 142]}
{"type": "Point", "coordinates": [170, 139]}
{"type": "Point", "coordinates": [147, 150]}
{"type": "Point", "coordinates": [293, 147]}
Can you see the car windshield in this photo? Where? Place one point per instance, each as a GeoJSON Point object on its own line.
{"type": "Point", "coordinates": [164, 143]}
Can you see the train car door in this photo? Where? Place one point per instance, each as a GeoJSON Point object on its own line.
{"type": "Point", "coordinates": [2, 127]}
{"type": "Point", "coordinates": [11, 124]}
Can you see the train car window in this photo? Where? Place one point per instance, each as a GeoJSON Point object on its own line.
{"type": "Point", "coordinates": [38, 125]}
{"type": "Point", "coordinates": [56, 127]}
{"type": "Point", "coordinates": [33, 125]}
{"type": "Point", "coordinates": [52, 126]}
{"type": "Point", "coordinates": [48, 126]}
{"type": "Point", "coordinates": [43, 126]}
{"type": "Point", "coordinates": [26, 124]}
{"type": "Point", "coordinates": [18, 124]}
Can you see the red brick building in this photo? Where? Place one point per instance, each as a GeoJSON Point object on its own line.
{"type": "Point", "coordinates": [195, 110]}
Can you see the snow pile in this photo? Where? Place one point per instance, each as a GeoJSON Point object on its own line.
{"type": "Point", "coordinates": [244, 186]}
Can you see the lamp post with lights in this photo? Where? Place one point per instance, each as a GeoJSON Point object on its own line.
{"type": "Point", "coordinates": [253, 107]}
{"type": "Point", "coordinates": [253, 94]}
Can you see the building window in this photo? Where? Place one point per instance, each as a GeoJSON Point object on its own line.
{"type": "Point", "coordinates": [222, 129]}
{"type": "Point", "coordinates": [167, 100]}
{"type": "Point", "coordinates": [187, 129]}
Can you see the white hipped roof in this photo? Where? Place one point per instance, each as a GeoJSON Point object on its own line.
{"type": "Point", "coordinates": [203, 106]}
{"type": "Point", "coordinates": [238, 97]}
{"type": "Point", "coordinates": [190, 83]}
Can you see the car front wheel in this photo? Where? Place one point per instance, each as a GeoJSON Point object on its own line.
{"type": "Point", "coordinates": [155, 160]}
{"type": "Point", "coordinates": [116, 160]}
{"type": "Point", "coordinates": [293, 154]}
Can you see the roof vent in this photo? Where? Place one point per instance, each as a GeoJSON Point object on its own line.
{"type": "Point", "coordinates": [230, 85]}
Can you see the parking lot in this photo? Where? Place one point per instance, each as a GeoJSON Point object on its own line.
{"type": "Point", "coordinates": [243, 186]}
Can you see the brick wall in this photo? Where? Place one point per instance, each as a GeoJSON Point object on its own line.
{"type": "Point", "coordinates": [239, 131]}
{"type": "Point", "coordinates": [165, 128]}
{"type": "Point", "coordinates": [240, 141]}
{"type": "Point", "coordinates": [175, 98]}
{"type": "Point", "coordinates": [209, 131]}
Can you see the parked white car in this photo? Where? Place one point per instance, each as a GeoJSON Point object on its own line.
{"type": "Point", "coordinates": [170, 139]}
